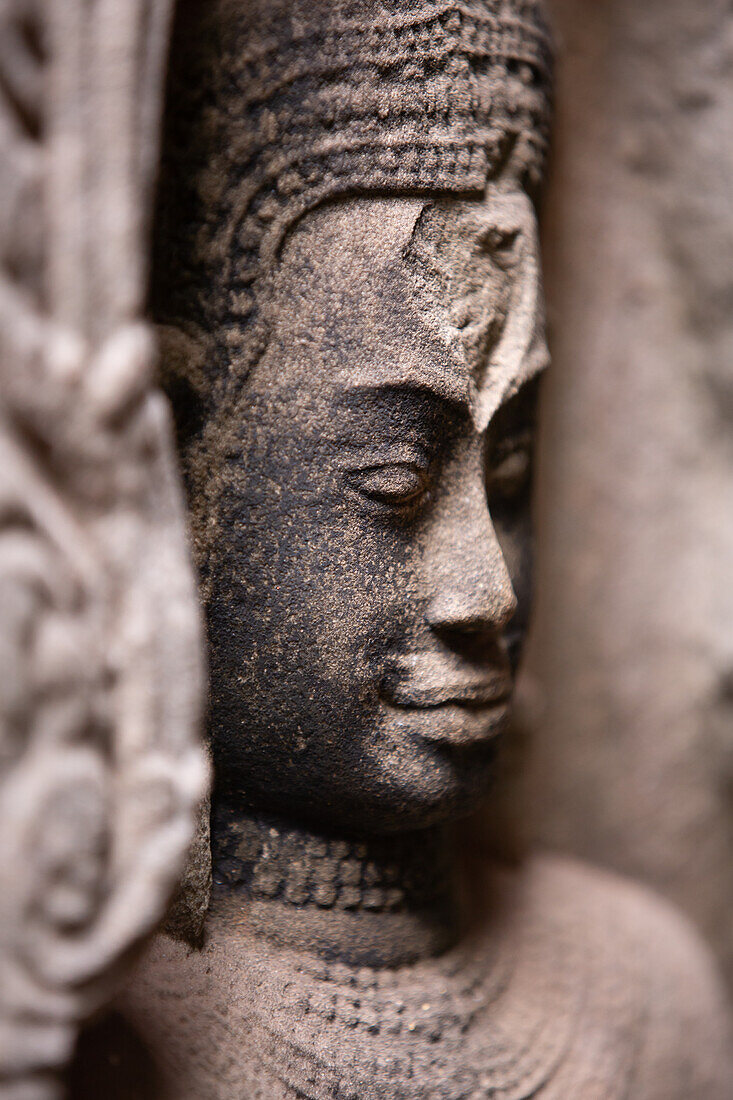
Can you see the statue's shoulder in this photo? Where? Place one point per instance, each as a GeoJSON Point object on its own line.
{"type": "Point", "coordinates": [646, 992]}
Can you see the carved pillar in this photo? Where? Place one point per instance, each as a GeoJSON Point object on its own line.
{"type": "Point", "coordinates": [100, 657]}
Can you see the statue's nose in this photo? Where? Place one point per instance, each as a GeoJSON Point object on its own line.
{"type": "Point", "coordinates": [472, 589]}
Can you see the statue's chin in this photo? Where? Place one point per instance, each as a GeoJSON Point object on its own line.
{"type": "Point", "coordinates": [442, 786]}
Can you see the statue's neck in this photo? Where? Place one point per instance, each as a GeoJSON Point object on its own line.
{"type": "Point", "coordinates": [378, 902]}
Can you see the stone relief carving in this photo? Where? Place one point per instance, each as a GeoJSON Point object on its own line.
{"type": "Point", "coordinates": [347, 276]}
{"type": "Point", "coordinates": [100, 650]}
{"type": "Point", "coordinates": [348, 296]}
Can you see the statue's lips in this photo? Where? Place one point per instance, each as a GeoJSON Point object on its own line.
{"type": "Point", "coordinates": [456, 712]}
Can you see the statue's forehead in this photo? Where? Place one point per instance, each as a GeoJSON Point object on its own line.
{"type": "Point", "coordinates": [406, 291]}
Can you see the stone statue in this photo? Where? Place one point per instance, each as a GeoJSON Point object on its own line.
{"type": "Point", "coordinates": [101, 671]}
{"type": "Point", "coordinates": [348, 285]}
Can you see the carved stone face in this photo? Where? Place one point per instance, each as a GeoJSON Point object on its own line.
{"type": "Point", "coordinates": [370, 584]}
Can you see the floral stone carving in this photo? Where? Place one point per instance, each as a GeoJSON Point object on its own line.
{"type": "Point", "coordinates": [100, 649]}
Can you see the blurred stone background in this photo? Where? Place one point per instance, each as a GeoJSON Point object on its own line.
{"type": "Point", "coordinates": [628, 685]}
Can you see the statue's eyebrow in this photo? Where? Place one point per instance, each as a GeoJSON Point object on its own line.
{"type": "Point", "coordinates": [365, 395]}
{"type": "Point", "coordinates": [448, 381]}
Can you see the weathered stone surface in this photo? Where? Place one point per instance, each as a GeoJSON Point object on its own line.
{"type": "Point", "coordinates": [347, 285]}
{"type": "Point", "coordinates": [348, 271]}
{"type": "Point", "coordinates": [576, 985]}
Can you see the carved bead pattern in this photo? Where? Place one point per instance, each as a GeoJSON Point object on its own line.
{"type": "Point", "coordinates": [499, 1017]}
{"type": "Point", "coordinates": [270, 861]}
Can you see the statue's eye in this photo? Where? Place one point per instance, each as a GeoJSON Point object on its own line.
{"type": "Point", "coordinates": [499, 242]}
{"type": "Point", "coordinates": [396, 483]}
{"type": "Point", "coordinates": [509, 477]}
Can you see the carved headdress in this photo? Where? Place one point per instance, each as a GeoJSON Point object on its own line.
{"type": "Point", "coordinates": [279, 105]}
{"type": "Point", "coordinates": [276, 106]}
